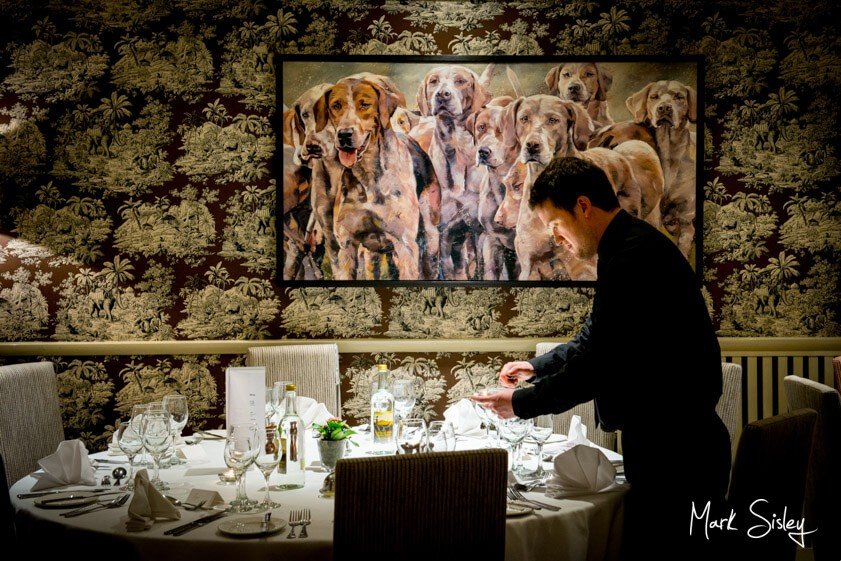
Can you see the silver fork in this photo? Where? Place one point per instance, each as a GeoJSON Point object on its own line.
{"type": "Point", "coordinates": [305, 521]}
{"type": "Point", "coordinates": [517, 495]}
{"type": "Point", "coordinates": [294, 520]}
{"type": "Point", "coordinates": [119, 501]}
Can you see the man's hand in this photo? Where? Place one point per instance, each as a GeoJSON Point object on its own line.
{"type": "Point", "coordinates": [498, 403]}
{"type": "Point", "coordinates": [513, 372]}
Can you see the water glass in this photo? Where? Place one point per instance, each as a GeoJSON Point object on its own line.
{"type": "Point", "coordinates": [411, 436]}
{"type": "Point", "coordinates": [540, 433]}
{"type": "Point", "coordinates": [178, 409]}
{"type": "Point", "coordinates": [266, 460]}
{"type": "Point", "coordinates": [241, 448]}
{"type": "Point", "coordinates": [442, 436]}
{"type": "Point", "coordinates": [131, 443]}
{"type": "Point", "coordinates": [488, 418]}
{"type": "Point", "coordinates": [513, 431]}
{"type": "Point", "coordinates": [157, 438]}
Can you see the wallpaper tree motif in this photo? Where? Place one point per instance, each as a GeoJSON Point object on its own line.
{"type": "Point", "coordinates": [137, 186]}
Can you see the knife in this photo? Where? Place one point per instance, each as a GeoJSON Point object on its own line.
{"type": "Point", "coordinates": [45, 493]}
{"type": "Point", "coordinates": [77, 497]}
{"type": "Point", "coordinates": [184, 528]}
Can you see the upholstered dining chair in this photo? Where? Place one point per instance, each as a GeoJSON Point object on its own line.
{"type": "Point", "coordinates": [729, 406]}
{"type": "Point", "coordinates": [7, 515]}
{"type": "Point", "coordinates": [314, 369]}
{"type": "Point", "coordinates": [771, 463]}
{"type": "Point", "coordinates": [822, 483]}
{"type": "Point", "coordinates": [587, 412]}
{"type": "Point", "coordinates": [441, 505]}
{"type": "Point", "coordinates": [30, 423]}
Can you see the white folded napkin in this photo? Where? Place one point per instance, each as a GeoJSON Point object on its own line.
{"type": "Point", "coordinates": [68, 465]}
{"type": "Point", "coordinates": [577, 435]}
{"type": "Point", "coordinates": [462, 415]}
{"type": "Point", "coordinates": [309, 410]}
{"type": "Point", "coordinates": [147, 505]}
{"type": "Point", "coordinates": [581, 470]}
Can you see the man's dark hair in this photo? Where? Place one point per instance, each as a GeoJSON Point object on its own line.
{"type": "Point", "coordinates": [566, 179]}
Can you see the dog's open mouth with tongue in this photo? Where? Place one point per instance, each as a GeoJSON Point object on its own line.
{"type": "Point", "coordinates": [349, 154]}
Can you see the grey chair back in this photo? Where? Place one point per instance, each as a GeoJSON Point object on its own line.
{"type": "Point", "coordinates": [30, 423]}
{"type": "Point", "coordinates": [823, 487]}
{"type": "Point", "coordinates": [729, 406]}
{"type": "Point", "coordinates": [771, 462]}
{"type": "Point", "coordinates": [314, 369]}
{"type": "Point", "coordinates": [441, 505]}
{"type": "Point", "coordinates": [587, 412]}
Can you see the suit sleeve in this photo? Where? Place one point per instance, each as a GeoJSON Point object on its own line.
{"type": "Point", "coordinates": [552, 362]}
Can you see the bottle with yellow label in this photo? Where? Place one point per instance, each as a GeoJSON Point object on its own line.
{"type": "Point", "coordinates": [382, 414]}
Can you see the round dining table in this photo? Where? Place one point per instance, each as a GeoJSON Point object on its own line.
{"type": "Point", "coordinates": [587, 527]}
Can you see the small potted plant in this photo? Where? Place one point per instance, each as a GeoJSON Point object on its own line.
{"type": "Point", "coordinates": [332, 441]}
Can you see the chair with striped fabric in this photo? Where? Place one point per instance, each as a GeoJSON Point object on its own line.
{"type": "Point", "coordinates": [314, 369]}
{"type": "Point", "coordinates": [587, 412]}
{"type": "Point", "coordinates": [441, 505]}
{"type": "Point", "coordinates": [771, 462]}
{"type": "Point", "coordinates": [822, 482]}
{"type": "Point", "coordinates": [729, 406]}
{"type": "Point", "coordinates": [30, 424]}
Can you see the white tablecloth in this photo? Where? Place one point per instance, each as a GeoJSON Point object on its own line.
{"type": "Point", "coordinates": [587, 528]}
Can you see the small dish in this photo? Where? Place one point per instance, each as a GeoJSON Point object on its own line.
{"type": "Point", "coordinates": [512, 511]}
{"type": "Point", "coordinates": [55, 501]}
{"type": "Point", "coordinates": [250, 527]}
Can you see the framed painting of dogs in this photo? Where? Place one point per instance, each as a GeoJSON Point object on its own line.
{"type": "Point", "coordinates": [415, 170]}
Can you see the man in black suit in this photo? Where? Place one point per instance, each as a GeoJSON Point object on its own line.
{"type": "Point", "coordinates": [647, 354]}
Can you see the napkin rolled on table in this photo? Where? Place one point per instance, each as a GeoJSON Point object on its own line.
{"type": "Point", "coordinates": [147, 505]}
{"type": "Point", "coordinates": [309, 410]}
{"type": "Point", "coordinates": [581, 470]}
{"type": "Point", "coordinates": [462, 415]}
{"type": "Point", "coordinates": [68, 465]}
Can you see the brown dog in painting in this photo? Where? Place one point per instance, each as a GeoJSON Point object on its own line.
{"type": "Point", "coordinates": [388, 185]}
{"type": "Point", "coordinates": [586, 83]}
{"type": "Point", "coordinates": [452, 94]}
{"type": "Point", "coordinates": [662, 112]}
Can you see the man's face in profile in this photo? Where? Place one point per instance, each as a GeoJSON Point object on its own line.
{"type": "Point", "coordinates": [571, 230]}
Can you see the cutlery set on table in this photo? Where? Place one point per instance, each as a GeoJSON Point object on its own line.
{"type": "Point", "coordinates": [94, 500]}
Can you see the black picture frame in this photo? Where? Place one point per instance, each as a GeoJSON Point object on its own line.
{"type": "Point", "coordinates": [280, 59]}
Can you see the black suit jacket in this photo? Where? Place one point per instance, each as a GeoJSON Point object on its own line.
{"type": "Point", "coordinates": [648, 353]}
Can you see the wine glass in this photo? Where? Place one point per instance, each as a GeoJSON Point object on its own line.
{"type": "Point", "coordinates": [241, 447]}
{"type": "Point", "coordinates": [406, 392]}
{"type": "Point", "coordinates": [271, 407]}
{"type": "Point", "coordinates": [157, 438]}
{"type": "Point", "coordinates": [131, 443]}
{"type": "Point", "coordinates": [513, 431]}
{"type": "Point", "coordinates": [488, 418]}
{"type": "Point", "coordinates": [411, 435]}
{"type": "Point", "coordinates": [136, 421]}
{"type": "Point", "coordinates": [540, 432]}
{"type": "Point", "coordinates": [442, 436]}
{"type": "Point", "coordinates": [266, 460]}
{"type": "Point", "coordinates": [178, 409]}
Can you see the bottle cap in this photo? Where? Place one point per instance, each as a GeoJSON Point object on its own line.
{"type": "Point", "coordinates": [290, 387]}
{"type": "Point", "coordinates": [382, 368]}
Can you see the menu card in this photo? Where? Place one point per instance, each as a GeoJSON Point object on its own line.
{"type": "Point", "coordinates": [245, 395]}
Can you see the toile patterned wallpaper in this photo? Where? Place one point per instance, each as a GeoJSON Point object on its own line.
{"type": "Point", "coordinates": [137, 191]}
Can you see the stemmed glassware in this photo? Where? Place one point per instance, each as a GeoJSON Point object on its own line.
{"type": "Point", "coordinates": [157, 438]}
{"type": "Point", "coordinates": [411, 436]}
{"type": "Point", "coordinates": [513, 431]}
{"type": "Point", "coordinates": [266, 460]}
{"type": "Point", "coordinates": [271, 407]}
{"type": "Point", "coordinates": [241, 448]}
{"type": "Point", "coordinates": [540, 432]}
{"type": "Point", "coordinates": [131, 443]}
{"type": "Point", "coordinates": [406, 392]}
{"type": "Point", "coordinates": [442, 436]}
{"type": "Point", "coordinates": [485, 414]}
{"type": "Point", "coordinates": [178, 409]}
{"type": "Point", "coordinates": [136, 421]}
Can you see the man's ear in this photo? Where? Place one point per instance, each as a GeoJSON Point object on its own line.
{"type": "Point", "coordinates": [605, 81]}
